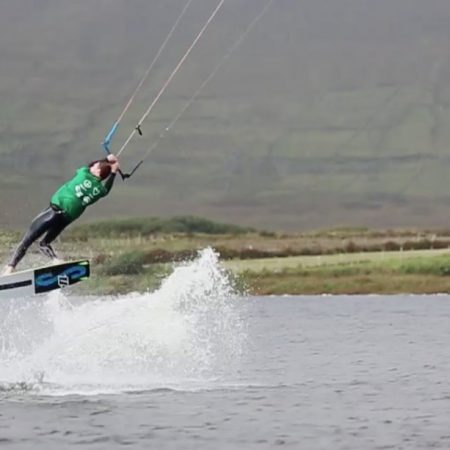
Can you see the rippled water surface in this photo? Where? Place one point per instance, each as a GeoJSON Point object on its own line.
{"type": "Point", "coordinates": [193, 367]}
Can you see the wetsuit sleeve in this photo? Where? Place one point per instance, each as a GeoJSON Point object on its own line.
{"type": "Point", "coordinates": [108, 184]}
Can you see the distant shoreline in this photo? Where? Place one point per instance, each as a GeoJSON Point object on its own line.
{"type": "Point", "coordinates": [137, 254]}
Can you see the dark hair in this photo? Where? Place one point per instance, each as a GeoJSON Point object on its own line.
{"type": "Point", "coordinates": [105, 168]}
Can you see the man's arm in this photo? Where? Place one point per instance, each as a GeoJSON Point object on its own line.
{"type": "Point", "coordinates": [108, 183]}
{"type": "Point", "coordinates": [114, 162]}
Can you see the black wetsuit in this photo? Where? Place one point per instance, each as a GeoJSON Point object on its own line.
{"type": "Point", "coordinates": [51, 221]}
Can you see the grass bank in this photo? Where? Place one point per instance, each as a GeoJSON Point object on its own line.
{"type": "Point", "coordinates": [136, 254]}
{"type": "Point", "coordinates": [415, 272]}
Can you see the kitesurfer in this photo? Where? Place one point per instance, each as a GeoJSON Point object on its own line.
{"type": "Point", "coordinates": [89, 185]}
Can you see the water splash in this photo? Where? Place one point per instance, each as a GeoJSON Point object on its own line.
{"type": "Point", "coordinates": [185, 335]}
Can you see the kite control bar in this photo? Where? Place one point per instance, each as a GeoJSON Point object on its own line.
{"type": "Point", "coordinates": [138, 127]}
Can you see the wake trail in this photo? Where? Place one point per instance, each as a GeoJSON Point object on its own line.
{"type": "Point", "coordinates": [189, 334]}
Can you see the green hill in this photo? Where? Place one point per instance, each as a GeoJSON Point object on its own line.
{"type": "Point", "coordinates": [333, 112]}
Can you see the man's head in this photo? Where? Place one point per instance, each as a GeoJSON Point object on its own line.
{"type": "Point", "coordinates": [100, 169]}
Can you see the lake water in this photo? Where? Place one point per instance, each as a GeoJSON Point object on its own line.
{"type": "Point", "coordinates": [192, 366]}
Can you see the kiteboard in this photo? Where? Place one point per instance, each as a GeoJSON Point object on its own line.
{"type": "Point", "coordinates": [44, 279]}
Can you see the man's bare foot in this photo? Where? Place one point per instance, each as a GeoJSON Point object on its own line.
{"type": "Point", "coordinates": [8, 270]}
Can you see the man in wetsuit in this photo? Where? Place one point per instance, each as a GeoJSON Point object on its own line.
{"type": "Point", "coordinates": [89, 185]}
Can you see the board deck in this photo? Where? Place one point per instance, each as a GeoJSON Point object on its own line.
{"type": "Point", "coordinates": [44, 279]}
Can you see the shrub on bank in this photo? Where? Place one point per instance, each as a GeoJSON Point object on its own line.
{"type": "Point", "coordinates": [134, 263]}
{"type": "Point", "coordinates": [131, 263]}
{"type": "Point", "coordinates": [147, 226]}
{"type": "Point", "coordinates": [431, 266]}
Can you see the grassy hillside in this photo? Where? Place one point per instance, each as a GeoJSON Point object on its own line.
{"type": "Point", "coordinates": [332, 112]}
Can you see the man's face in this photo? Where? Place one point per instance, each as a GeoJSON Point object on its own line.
{"type": "Point", "coordinates": [95, 170]}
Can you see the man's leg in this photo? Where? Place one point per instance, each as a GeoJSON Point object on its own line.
{"type": "Point", "coordinates": [58, 225]}
{"type": "Point", "coordinates": [37, 228]}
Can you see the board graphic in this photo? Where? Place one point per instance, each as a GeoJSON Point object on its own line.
{"type": "Point", "coordinates": [44, 279]}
